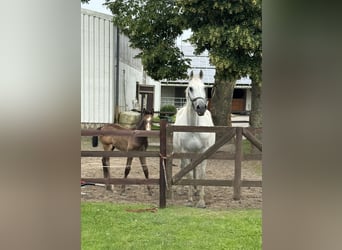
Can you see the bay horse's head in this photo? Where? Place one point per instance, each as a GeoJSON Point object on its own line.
{"type": "Point", "coordinates": [195, 93]}
{"type": "Point", "coordinates": [146, 120]}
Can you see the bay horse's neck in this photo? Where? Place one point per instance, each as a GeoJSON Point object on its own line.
{"type": "Point", "coordinates": [140, 125]}
{"type": "Point", "coordinates": [142, 141]}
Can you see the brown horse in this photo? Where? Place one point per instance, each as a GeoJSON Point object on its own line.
{"type": "Point", "coordinates": [125, 143]}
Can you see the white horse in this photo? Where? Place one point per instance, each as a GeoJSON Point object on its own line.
{"type": "Point", "coordinates": [194, 113]}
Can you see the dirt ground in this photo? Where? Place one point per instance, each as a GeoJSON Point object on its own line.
{"type": "Point", "coordinates": [215, 197]}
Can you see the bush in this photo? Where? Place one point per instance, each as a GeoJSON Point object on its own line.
{"type": "Point", "coordinates": [168, 111]}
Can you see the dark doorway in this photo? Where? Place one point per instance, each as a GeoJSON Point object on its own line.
{"type": "Point", "coordinates": [239, 101]}
{"type": "Point", "coordinates": [146, 91]}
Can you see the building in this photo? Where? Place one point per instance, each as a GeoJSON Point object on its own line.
{"type": "Point", "coordinates": [112, 79]}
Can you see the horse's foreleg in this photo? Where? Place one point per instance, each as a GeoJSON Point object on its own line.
{"type": "Point", "coordinates": [200, 174]}
{"type": "Point", "coordinates": [190, 188]}
{"type": "Point", "coordinates": [106, 164]}
{"type": "Point", "coordinates": [128, 166]}
{"type": "Point", "coordinates": [194, 176]}
{"type": "Point", "coordinates": [185, 162]}
{"type": "Point", "coordinates": [189, 176]}
{"type": "Point", "coordinates": [106, 172]}
{"type": "Point", "coordinates": [127, 170]}
{"type": "Point", "coordinates": [145, 169]}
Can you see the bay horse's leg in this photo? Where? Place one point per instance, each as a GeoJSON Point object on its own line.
{"type": "Point", "coordinates": [106, 167]}
{"type": "Point", "coordinates": [127, 170]}
{"type": "Point", "coordinates": [201, 175]}
{"type": "Point", "coordinates": [145, 169]}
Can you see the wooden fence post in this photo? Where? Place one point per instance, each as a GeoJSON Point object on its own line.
{"type": "Point", "coordinates": [162, 172]}
{"type": "Point", "coordinates": [238, 160]}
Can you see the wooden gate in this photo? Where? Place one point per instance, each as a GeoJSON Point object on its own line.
{"type": "Point", "coordinates": [229, 133]}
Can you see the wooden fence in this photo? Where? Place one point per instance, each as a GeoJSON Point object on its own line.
{"type": "Point", "coordinates": [166, 177]}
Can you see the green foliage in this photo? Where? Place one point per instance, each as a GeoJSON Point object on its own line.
{"type": "Point", "coordinates": [230, 31]}
{"type": "Point", "coordinates": [168, 110]}
{"type": "Point", "coordinates": [152, 26]}
{"type": "Point", "coordinates": [110, 226]}
{"type": "Point", "coordinates": [156, 120]}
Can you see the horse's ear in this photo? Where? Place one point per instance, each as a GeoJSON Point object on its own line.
{"type": "Point", "coordinates": [201, 74]}
{"type": "Point", "coordinates": [191, 74]}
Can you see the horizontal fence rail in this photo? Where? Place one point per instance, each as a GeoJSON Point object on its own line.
{"type": "Point", "coordinates": [137, 133]}
{"type": "Point", "coordinates": [208, 182]}
{"type": "Point", "coordinates": [121, 181]}
{"type": "Point", "coordinates": [199, 129]}
{"type": "Point", "coordinates": [217, 156]}
{"type": "Point", "coordinates": [120, 154]}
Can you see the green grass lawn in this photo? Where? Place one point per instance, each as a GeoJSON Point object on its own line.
{"type": "Point", "coordinates": [110, 226]}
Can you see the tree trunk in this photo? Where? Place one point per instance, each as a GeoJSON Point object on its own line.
{"type": "Point", "coordinates": [255, 117]}
{"type": "Point", "coordinates": [221, 101]}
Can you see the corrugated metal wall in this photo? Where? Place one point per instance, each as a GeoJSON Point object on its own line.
{"type": "Point", "coordinates": [99, 69]}
{"type": "Point", "coordinates": [98, 62]}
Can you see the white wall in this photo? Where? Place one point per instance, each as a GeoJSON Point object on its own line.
{"type": "Point", "coordinates": [157, 92]}
{"type": "Point", "coordinates": [97, 63]}
{"type": "Point", "coordinates": [128, 78]}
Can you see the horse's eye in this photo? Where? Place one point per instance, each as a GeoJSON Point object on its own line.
{"type": "Point", "coordinates": [190, 88]}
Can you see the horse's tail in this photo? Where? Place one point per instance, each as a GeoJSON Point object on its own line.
{"type": "Point", "coordinates": [95, 139]}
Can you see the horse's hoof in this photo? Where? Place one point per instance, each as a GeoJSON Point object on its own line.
{"type": "Point", "coordinates": [123, 193]}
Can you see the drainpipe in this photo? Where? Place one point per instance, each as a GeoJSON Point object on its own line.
{"type": "Point", "coordinates": [116, 89]}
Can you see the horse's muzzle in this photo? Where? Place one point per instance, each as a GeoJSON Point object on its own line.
{"type": "Point", "coordinates": [200, 108]}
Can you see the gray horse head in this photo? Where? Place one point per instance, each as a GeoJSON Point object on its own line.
{"type": "Point", "coordinates": [196, 93]}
